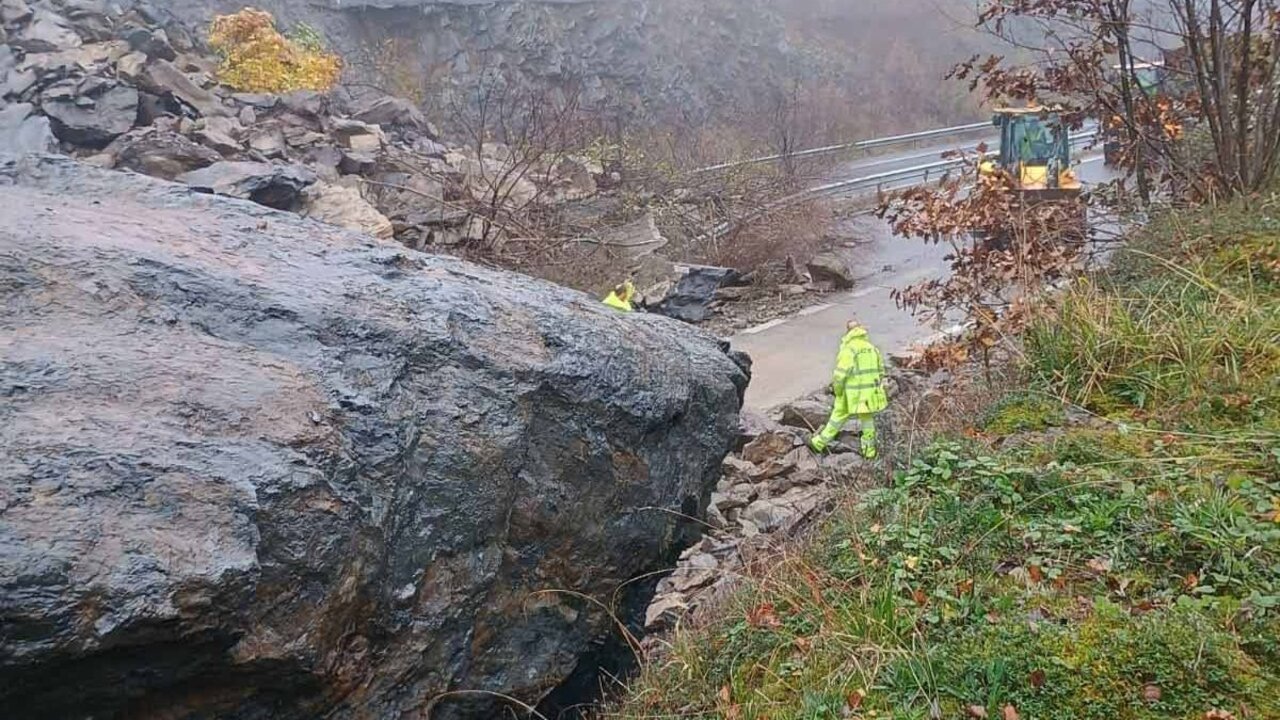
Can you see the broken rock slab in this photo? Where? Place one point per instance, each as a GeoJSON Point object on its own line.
{"type": "Point", "coordinates": [90, 59]}
{"type": "Point", "coordinates": [47, 32]}
{"type": "Point", "coordinates": [359, 137]}
{"type": "Point", "coordinates": [665, 612]}
{"type": "Point", "coordinates": [736, 470]}
{"type": "Point", "coordinates": [160, 153]}
{"type": "Point", "coordinates": [162, 77]}
{"type": "Point", "coordinates": [768, 446]}
{"type": "Point", "coordinates": [267, 140]}
{"type": "Point", "coordinates": [387, 111]}
{"type": "Point", "coordinates": [90, 112]}
{"type": "Point", "coordinates": [130, 67]}
{"type": "Point", "coordinates": [784, 513]}
{"type": "Point", "coordinates": [306, 103]}
{"type": "Point", "coordinates": [831, 267]}
{"type": "Point", "coordinates": [345, 207]}
{"type": "Point", "coordinates": [275, 186]}
{"type": "Point", "coordinates": [845, 466]}
{"type": "Point", "coordinates": [809, 415]}
{"type": "Point", "coordinates": [699, 570]}
{"type": "Point", "coordinates": [22, 132]}
{"type": "Point", "coordinates": [735, 497]}
{"type": "Point", "coordinates": [220, 133]}
{"type": "Point", "coordinates": [89, 18]}
{"type": "Point", "coordinates": [152, 42]}
{"type": "Point", "coordinates": [751, 425]}
{"type": "Point", "coordinates": [13, 12]}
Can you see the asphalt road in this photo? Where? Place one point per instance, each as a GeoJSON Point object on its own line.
{"type": "Point", "coordinates": [793, 357]}
{"type": "Point", "coordinates": [910, 157]}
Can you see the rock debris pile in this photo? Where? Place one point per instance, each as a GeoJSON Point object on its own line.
{"type": "Point", "coordinates": [769, 490]}
{"type": "Point", "coordinates": [135, 89]}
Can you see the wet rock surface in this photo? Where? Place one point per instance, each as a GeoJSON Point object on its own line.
{"type": "Point", "coordinates": [806, 414]}
{"type": "Point", "coordinates": [691, 298]}
{"type": "Point", "coordinates": [645, 56]}
{"type": "Point", "coordinates": [257, 466]}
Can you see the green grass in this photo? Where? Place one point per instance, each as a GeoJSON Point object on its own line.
{"type": "Point", "coordinates": [1022, 411]}
{"type": "Point", "coordinates": [1128, 568]}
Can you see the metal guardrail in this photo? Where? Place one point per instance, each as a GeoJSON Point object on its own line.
{"type": "Point", "coordinates": [891, 179]}
{"type": "Point", "coordinates": [859, 145]}
{"type": "Point", "coordinates": [920, 174]}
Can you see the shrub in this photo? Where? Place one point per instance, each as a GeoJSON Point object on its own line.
{"type": "Point", "coordinates": [256, 57]}
{"type": "Point", "coordinates": [1187, 338]}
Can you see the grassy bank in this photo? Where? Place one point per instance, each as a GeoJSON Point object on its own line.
{"type": "Point", "coordinates": [1104, 542]}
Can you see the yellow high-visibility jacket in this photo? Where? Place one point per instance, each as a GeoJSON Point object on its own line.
{"type": "Point", "coordinates": [621, 301]}
{"type": "Point", "coordinates": [859, 374]}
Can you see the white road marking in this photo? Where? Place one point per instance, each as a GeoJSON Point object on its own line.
{"type": "Point", "coordinates": [844, 300]}
{"type": "Point", "coordinates": [763, 326]}
{"type": "Point", "coordinates": [813, 309]}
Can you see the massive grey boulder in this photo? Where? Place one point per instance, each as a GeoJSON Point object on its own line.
{"type": "Point", "coordinates": [254, 466]}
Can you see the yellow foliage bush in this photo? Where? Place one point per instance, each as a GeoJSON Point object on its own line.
{"type": "Point", "coordinates": [256, 57]}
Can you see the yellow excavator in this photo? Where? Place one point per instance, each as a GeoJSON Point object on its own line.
{"type": "Point", "coordinates": [1035, 150]}
{"type": "Point", "coordinates": [1035, 153]}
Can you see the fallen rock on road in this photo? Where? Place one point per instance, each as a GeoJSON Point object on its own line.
{"type": "Point", "coordinates": [831, 267]}
{"type": "Point", "coordinates": [256, 466]}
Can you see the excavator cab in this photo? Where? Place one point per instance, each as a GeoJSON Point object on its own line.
{"type": "Point", "coordinates": [1035, 153]}
{"type": "Point", "coordinates": [1035, 150]}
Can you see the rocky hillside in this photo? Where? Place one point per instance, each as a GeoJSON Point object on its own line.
{"type": "Point", "coordinates": [632, 57]}
{"type": "Point", "coordinates": [135, 89]}
{"type": "Point", "coordinates": [256, 466]}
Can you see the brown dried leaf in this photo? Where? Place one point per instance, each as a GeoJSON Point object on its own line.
{"type": "Point", "coordinates": [976, 711]}
{"type": "Point", "coordinates": [1151, 692]}
{"type": "Point", "coordinates": [1099, 565]}
{"type": "Point", "coordinates": [764, 616]}
{"type": "Point", "coordinates": [1036, 678]}
{"type": "Point", "coordinates": [1010, 713]}
{"type": "Point", "coordinates": [855, 698]}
